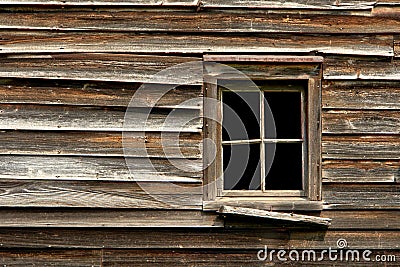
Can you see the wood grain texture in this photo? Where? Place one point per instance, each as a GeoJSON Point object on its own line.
{"type": "Point", "coordinates": [142, 238]}
{"type": "Point", "coordinates": [360, 219]}
{"type": "Point", "coordinates": [51, 117]}
{"type": "Point", "coordinates": [179, 239]}
{"type": "Point", "coordinates": [276, 216]}
{"type": "Point", "coordinates": [366, 68]}
{"type": "Point", "coordinates": [264, 203]}
{"type": "Point", "coordinates": [134, 3]}
{"type": "Point", "coordinates": [397, 46]}
{"type": "Point", "coordinates": [374, 240]}
{"type": "Point", "coordinates": [139, 21]}
{"type": "Point", "coordinates": [103, 144]}
{"type": "Point", "coordinates": [102, 67]}
{"type": "Point", "coordinates": [361, 95]}
{"type": "Point", "coordinates": [362, 196]}
{"type": "Point", "coordinates": [116, 42]}
{"type": "Point", "coordinates": [342, 220]}
{"type": "Point", "coordinates": [62, 258]}
{"type": "Point", "coordinates": [109, 218]}
{"type": "Point", "coordinates": [361, 147]}
{"type": "Point", "coordinates": [55, 92]}
{"type": "Point", "coordinates": [261, 71]}
{"type": "Point", "coordinates": [99, 168]}
{"type": "Point", "coordinates": [360, 122]}
{"type": "Point", "coordinates": [202, 258]}
{"type": "Point", "coordinates": [303, 4]}
{"type": "Point", "coordinates": [361, 171]}
{"type": "Point", "coordinates": [98, 194]}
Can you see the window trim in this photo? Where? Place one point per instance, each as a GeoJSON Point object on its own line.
{"type": "Point", "coordinates": [312, 185]}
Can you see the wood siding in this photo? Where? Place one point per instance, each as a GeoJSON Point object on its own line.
{"type": "Point", "coordinates": [68, 70]}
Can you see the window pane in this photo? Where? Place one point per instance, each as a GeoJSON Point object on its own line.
{"type": "Point", "coordinates": [283, 166]}
{"type": "Point", "coordinates": [241, 115]}
{"type": "Point", "coordinates": [286, 111]}
{"type": "Point", "coordinates": [242, 167]}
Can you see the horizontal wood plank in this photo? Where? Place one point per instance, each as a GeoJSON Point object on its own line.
{"type": "Point", "coordinates": [260, 71]}
{"type": "Point", "coordinates": [360, 219]}
{"type": "Point", "coordinates": [141, 238]}
{"type": "Point", "coordinates": [54, 92]}
{"type": "Point", "coordinates": [361, 95]}
{"type": "Point", "coordinates": [366, 196]}
{"type": "Point", "coordinates": [139, 21]}
{"type": "Point", "coordinates": [360, 122]}
{"type": "Point", "coordinates": [244, 258]}
{"type": "Point", "coordinates": [362, 171]}
{"type": "Point", "coordinates": [299, 4]}
{"type": "Point", "coordinates": [98, 194]}
{"type": "Point", "coordinates": [61, 258]}
{"type": "Point", "coordinates": [361, 147]}
{"type": "Point", "coordinates": [99, 168]}
{"type": "Point", "coordinates": [272, 215]}
{"type": "Point", "coordinates": [374, 240]}
{"type": "Point", "coordinates": [365, 220]}
{"type": "Point", "coordinates": [97, 67]}
{"type": "Point", "coordinates": [103, 144]}
{"type": "Point", "coordinates": [51, 117]}
{"type": "Point", "coordinates": [361, 69]}
{"type": "Point", "coordinates": [264, 203]}
{"type": "Point", "coordinates": [196, 239]}
{"type": "Point", "coordinates": [116, 42]}
{"type": "Point", "coordinates": [397, 46]}
{"type": "Point", "coordinates": [83, 218]}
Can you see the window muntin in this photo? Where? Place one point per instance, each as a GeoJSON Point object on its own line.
{"type": "Point", "coordinates": [275, 145]}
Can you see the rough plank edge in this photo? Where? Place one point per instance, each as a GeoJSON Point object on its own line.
{"type": "Point", "coordinates": [264, 58]}
{"type": "Point", "coordinates": [291, 217]}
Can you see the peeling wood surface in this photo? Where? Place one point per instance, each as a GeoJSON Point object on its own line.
{"type": "Point", "coordinates": [261, 71]}
{"type": "Point", "coordinates": [361, 95]}
{"type": "Point", "coordinates": [272, 203]}
{"type": "Point", "coordinates": [361, 147]}
{"type": "Point", "coordinates": [89, 93]}
{"type": "Point", "coordinates": [363, 171]}
{"type": "Point", "coordinates": [99, 168]}
{"type": "Point", "coordinates": [82, 218]}
{"type": "Point", "coordinates": [336, 68]}
{"type": "Point", "coordinates": [299, 4]}
{"type": "Point", "coordinates": [98, 194]}
{"type": "Point", "coordinates": [73, 118]}
{"type": "Point", "coordinates": [84, 42]}
{"type": "Point", "coordinates": [361, 122]}
{"type": "Point", "coordinates": [101, 67]}
{"type": "Point", "coordinates": [201, 22]}
{"type": "Point", "coordinates": [101, 144]}
{"type": "Point", "coordinates": [364, 196]}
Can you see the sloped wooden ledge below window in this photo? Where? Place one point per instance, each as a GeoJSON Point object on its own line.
{"type": "Point", "coordinates": [276, 216]}
{"type": "Point", "coordinates": [265, 203]}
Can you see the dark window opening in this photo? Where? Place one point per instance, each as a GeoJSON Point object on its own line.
{"type": "Point", "coordinates": [240, 173]}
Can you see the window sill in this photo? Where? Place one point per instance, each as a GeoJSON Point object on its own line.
{"type": "Point", "coordinates": [265, 203]}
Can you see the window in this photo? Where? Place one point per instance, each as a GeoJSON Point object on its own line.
{"type": "Point", "coordinates": [266, 130]}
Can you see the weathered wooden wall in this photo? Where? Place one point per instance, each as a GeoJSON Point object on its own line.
{"type": "Point", "coordinates": [69, 68]}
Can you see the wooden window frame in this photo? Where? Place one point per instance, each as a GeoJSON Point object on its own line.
{"type": "Point", "coordinates": [310, 198]}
